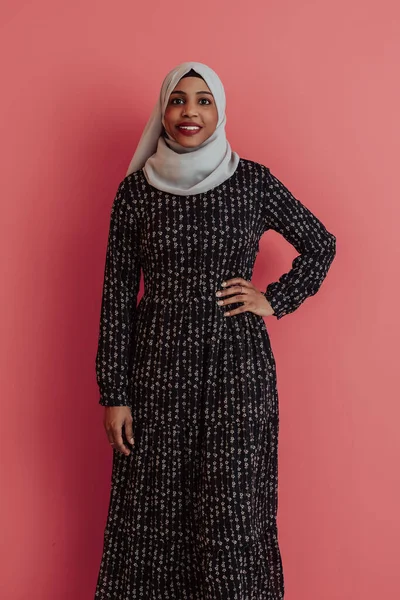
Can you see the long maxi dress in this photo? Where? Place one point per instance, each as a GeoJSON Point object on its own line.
{"type": "Point", "coordinates": [193, 508]}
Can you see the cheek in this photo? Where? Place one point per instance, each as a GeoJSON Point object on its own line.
{"type": "Point", "coordinates": [212, 114]}
{"type": "Point", "coordinates": [169, 117]}
{"type": "Point", "coordinates": [212, 120]}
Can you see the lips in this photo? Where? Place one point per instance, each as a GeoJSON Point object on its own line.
{"type": "Point", "coordinates": [188, 124]}
{"type": "Point", "coordinates": [189, 128]}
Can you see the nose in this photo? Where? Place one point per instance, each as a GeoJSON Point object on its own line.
{"type": "Point", "coordinates": [189, 109]}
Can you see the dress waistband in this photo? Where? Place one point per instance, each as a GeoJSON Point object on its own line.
{"type": "Point", "coordinates": [178, 297]}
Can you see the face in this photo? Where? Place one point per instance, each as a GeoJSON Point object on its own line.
{"type": "Point", "coordinates": [191, 104]}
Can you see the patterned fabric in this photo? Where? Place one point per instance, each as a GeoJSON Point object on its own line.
{"type": "Point", "coordinates": [193, 508]}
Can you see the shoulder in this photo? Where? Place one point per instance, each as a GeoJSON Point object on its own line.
{"type": "Point", "coordinates": [130, 192]}
{"type": "Point", "coordinates": [253, 169]}
{"type": "Point", "coordinates": [269, 184]}
{"type": "Point", "coordinates": [134, 183]}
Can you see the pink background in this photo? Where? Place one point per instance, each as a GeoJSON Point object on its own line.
{"type": "Point", "coordinates": [313, 93]}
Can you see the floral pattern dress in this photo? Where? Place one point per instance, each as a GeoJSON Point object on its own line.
{"type": "Point", "coordinates": [193, 509]}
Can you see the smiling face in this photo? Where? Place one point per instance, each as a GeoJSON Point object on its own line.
{"type": "Point", "coordinates": [191, 115]}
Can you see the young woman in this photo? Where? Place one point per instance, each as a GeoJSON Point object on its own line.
{"type": "Point", "coordinates": [188, 376]}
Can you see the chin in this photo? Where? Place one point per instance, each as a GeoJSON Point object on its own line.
{"type": "Point", "coordinates": [189, 143]}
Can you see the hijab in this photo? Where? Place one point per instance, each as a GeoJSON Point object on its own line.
{"type": "Point", "coordinates": [173, 168]}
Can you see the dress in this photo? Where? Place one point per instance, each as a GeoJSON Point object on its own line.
{"type": "Point", "coordinates": [192, 512]}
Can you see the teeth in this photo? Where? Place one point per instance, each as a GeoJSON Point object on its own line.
{"type": "Point", "coordinates": [189, 128]}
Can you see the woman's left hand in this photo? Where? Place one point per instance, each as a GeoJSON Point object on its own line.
{"type": "Point", "coordinates": [244, 291]}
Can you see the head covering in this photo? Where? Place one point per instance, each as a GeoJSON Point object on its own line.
{"type": "Point", "coordinates": [171, 167]}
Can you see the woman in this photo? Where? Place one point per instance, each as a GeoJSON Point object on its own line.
{"type": "Point", "coordinates": [188, 377]}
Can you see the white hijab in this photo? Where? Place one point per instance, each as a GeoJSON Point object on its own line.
{"type": "Point", "coordinates": [171, 167]}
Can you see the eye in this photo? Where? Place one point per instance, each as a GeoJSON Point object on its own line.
{"type": "Point", "coordinates": [201, 101]}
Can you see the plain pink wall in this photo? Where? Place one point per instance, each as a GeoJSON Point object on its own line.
{"type": "Point", "coordinates": [313, 93]}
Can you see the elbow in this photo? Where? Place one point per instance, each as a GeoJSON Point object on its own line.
{"type": "Point", "coordinates": [329, 250]}
{"type": "Point", "coordinates": [332, 244]}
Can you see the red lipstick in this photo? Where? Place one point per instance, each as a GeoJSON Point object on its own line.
{"type": "Point", "coordinates": [189, 128]}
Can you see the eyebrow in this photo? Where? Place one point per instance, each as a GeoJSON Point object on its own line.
{"type": "Point", "coordinates": [182, 92]}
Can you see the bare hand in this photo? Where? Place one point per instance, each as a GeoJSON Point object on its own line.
{"type": "Point", "coordinates": [115, 417]}
{"type": "Point", "coordinates": [253, 300]}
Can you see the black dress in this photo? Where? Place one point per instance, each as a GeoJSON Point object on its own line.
{"type": "Point", "coordinates": [193, 508]}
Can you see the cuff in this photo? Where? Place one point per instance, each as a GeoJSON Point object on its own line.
{"type": "Point", "coordinates": [276, 300]}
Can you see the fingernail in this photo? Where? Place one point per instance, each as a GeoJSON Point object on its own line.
{"type": "Point", "coordinates": [131, 440]}
{"type": "Point", "coordinates": [223, 283]}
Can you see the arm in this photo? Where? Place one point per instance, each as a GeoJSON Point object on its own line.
{"type": "Point", "coordinates": [314, 243]}
{"type": "Point", "coordinates": [120, 289]}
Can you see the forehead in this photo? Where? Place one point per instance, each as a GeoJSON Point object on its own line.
{"type": "Point", "coordinates": [191, 85]}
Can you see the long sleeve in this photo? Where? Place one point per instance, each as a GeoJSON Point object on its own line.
{"type": "Point", "coordinates": [118, 306]}
{"type": "Point", "coordinates": [315, 244]}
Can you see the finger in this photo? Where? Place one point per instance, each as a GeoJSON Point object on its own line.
{"type": "Point", "coordinates": [236, 311]}
{"type": "Point", "coordinates": [119, 443]}
{"type": "Point", "coordinates": [129, 431]}
{"type": "Point", "coordinates": [232, 299]}
{"type": "Point", "coordinates": [238, 288]}
{"type": "Point", "coordinates": [236, 280]}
